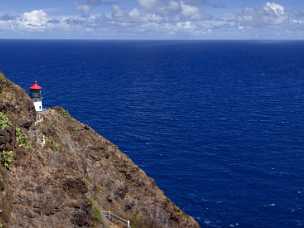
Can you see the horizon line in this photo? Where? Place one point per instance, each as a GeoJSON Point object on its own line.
{"type": "Point", "coordinates": [97, 39]}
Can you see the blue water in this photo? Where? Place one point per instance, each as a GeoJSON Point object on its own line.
{"type": "Point", "coordinates": [218, 125]}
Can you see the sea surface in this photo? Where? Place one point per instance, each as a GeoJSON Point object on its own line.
{"type": "Point", "coordinates": [219, 125]}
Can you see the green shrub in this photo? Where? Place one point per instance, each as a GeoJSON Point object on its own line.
{"type": "Point", "coordinates": [66, 113]}
{"type": "Point", "coordinates": [95, 212]}
{"type": "Point", "coordinates": [22, 140]}
{"type": "Point", "coordinates": [2, 78]}
{"type": "Point", "coordinates": [7, 158]}
{"type": "Point", "coordinates": [4, 121]}
{"type": "Point", "coordinates": [63, 112]}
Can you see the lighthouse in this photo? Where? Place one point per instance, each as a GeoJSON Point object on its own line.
{"type": "Point", "coordinates": [36, 95]}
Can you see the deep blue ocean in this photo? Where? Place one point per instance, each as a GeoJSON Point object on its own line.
{"type": "Point", "coordinates": [219, 125]}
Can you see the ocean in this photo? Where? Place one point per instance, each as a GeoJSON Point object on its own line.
{"type": "Point", "coordinates": [218, 124]}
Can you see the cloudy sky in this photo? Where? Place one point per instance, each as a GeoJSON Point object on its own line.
{"type": "Point", "coordinates": [152, 19]}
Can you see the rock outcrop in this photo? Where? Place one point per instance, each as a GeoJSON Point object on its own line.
{"type": "Point", "coordinates": [57, 172]}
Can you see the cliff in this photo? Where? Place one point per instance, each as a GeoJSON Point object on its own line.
{"type": "Point", "coordinates": [58, 172]}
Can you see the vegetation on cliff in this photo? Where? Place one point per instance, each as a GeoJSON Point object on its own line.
{"type": "Point", "coordinates": [57, 172]}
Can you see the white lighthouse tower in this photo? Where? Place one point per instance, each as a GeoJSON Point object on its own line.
{"type": "Point", "coordinates": [36, 95]}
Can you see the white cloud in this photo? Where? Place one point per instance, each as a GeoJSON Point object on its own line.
{"type": "Point", "coordinates": [134, 13]}
{"type": "Point", "coordinates": [148, 4]}
{"type": "Point", "coordinates": [186, 25]}
{"type": "Point", "coordinates": [274, 13]}
{"type": "Point", "coordinates": [117, 12]}
{"type": "Point", "coordinates": [173, 5]}
{"type": "Point", "coordinates": [271, 14]}
{"type": "Point", "coordinates": [274, 9]}
{"type": "Point", "coordinates": [154, 18]}
{"type": "Point", "coordinates": [34, 20]}
{"type": "Point", "coordinates": [190, 11]}
{"type": "Point", "coordinates": [162, 18]}
{"type": "Point", "coordinates": [4, 25]}
{"type": "Point", "coordinates": [7, 22]}
{"type": "Point", "coordinates": [298, 21]}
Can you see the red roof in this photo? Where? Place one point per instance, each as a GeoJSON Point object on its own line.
{"type": "Point", "coordinates": [36, 86]}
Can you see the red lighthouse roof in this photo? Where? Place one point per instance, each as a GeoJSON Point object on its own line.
{"type": "Point", "coordinates": [36, 86]}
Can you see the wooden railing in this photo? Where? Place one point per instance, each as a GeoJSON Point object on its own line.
{"type": "Point", "coordinates": [116, 219]}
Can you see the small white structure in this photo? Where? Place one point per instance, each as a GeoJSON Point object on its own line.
{"type": "Point", "coordinates": [36, 95]}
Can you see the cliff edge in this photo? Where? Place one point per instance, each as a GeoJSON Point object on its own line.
{"type": "Point", "coordinates": [57, 172]}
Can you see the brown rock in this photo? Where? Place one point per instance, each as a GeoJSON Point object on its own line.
{"type": "Point", "coordinates": [75, 186]}
{"type": "Point", "coordinates": [7, 139]}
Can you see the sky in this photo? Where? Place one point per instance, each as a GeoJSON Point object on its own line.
{"type": "Point", "coordinates": [152, 19]}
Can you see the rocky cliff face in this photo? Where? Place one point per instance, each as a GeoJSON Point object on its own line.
{"type": "Point", "coordinates": [57, 172]}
